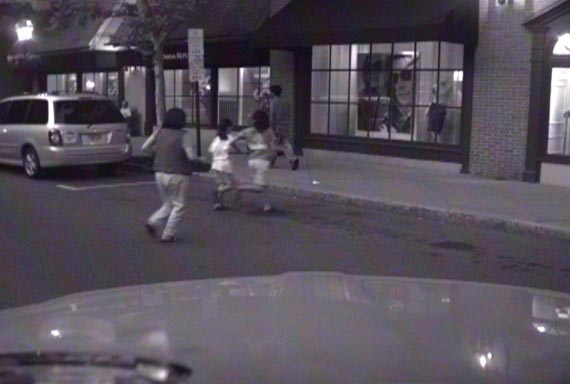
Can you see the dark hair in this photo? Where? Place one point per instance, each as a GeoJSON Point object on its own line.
{"type": "Point", "coordinates": [175, 118]}
{"type": "Point", "coordinates": [260, 120]}
{"type": "Point", "coordinates": [225, 124]}
{"type": "Point", "coordinates": [276, 90]}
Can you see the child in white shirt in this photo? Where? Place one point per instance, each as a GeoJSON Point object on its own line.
{"type": "Point", "coordinates": [221, 163]}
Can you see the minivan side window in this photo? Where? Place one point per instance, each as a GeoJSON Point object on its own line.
{"type": "Point", "coordinates": [4, 111]}
{"type": "Point", "coordinates": [38, 113]}
{"type": "Point", "coordinates": [87, 112]}
{"type": "Point", "coordinates": [17, 112]}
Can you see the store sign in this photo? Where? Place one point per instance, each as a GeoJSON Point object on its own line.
{"type": "Point", "coordinates": [196, 54]}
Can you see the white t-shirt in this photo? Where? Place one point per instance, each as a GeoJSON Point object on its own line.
{"type": "Point", "coordinates": [220, 150]}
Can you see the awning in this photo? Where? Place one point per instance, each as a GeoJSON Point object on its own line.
{"type": "Point", "coordinates": [311, 22]}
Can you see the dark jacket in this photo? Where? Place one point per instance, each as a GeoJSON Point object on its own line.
{"type": "Point", "coordinates": [171, 145]}
{"type": "Point", "coordinates": [171, 152]}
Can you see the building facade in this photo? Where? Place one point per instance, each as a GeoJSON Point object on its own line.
{"type": "Point", "coordinates": [481, 83]}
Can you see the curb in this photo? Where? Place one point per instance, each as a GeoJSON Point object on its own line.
{"type": "Point", "coordinates": [447, 214]}
{"type": "Point", "coordinates": [497, 222]}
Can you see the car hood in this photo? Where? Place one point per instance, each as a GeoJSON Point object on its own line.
{"type": "Point", "coordinates": [313, 328]}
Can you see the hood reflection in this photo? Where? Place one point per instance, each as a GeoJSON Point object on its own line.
{"type": "Point", "coordinates": [314, 326]}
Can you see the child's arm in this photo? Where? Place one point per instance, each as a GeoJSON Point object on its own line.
{"type": "Point", "coordinates": [233, 139]}
{"type": "Point", "coordinates": [148, 145]}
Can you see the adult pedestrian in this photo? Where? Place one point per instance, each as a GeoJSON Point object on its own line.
{"type": "Point", "coordinates": [172, 149]}
{"type": "Point", "coordinates": [260, 140]}
{"type": "Point", "coordinates": [280, 120]}
{"type": "Point", "coordinates": [127, 113]}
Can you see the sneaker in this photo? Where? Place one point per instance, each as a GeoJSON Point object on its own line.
{"type": "Point", "coordinates": [150, 229]}
{"type": "Point", "coordinates": [295, 164]}
{"type": "Point", "coordinates": [171, 239]}
{"type": "Point", "coordinates": [220, 207]}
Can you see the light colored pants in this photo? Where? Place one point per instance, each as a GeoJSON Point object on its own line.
{"type": "Point", "coordinates": [173, 191]}
{"type": "Point", "coordinates": [259, 168]}
{"type": "Point", "coordinates": [225, 180]}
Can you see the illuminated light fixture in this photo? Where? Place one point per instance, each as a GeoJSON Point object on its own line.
{"type": "Point", "coordinates": [540, 328]}
{"type": "Point", "coordinates": [90, 85]}
{"type": "Point", "coordinates": [55, 333]}
{"type": "Point", "coordinates": [458, 76]}
{"type": "Point", "coordinates": [25, 30]}
{"type": "Point", "coordinates": [483, 361]}
{"type": "Point", "coordinates": [562, 46]}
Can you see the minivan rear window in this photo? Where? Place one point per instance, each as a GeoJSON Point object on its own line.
{"type": "Point", "coordinates": [87, 112]}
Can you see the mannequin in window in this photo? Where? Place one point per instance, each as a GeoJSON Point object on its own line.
{"type": "Point", "coordinates": [438, 110]}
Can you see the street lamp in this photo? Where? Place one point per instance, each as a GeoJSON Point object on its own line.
{"type": "Point", "coordinates": [25, 30]}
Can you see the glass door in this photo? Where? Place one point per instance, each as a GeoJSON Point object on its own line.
{"type": "Point", "coordinates": [558, 124]}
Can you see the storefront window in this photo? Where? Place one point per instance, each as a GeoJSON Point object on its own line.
{"type": "Point", "coordinates": [179, 93]}
{"type": "Point", "coordinates": [65, 83]}
{"type": "Point", "coordinates": [321, 57]}
{"type": "Point", "coordinates": [102, 83]}
{"type": "Point", "coordinates": [241, 91]}
{"type": "Point", "coordinates": [451, 56]}
{"type": "Point", "coordinates": [404, 91]}
{"type": "Point", "coordinates": [558, 127]}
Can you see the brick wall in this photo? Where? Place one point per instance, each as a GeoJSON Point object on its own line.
{"type": "Point", "coordinates": [501, 89]}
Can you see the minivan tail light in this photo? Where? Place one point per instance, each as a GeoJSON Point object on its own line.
{"type": "Point", "coordinates": [54, 136]}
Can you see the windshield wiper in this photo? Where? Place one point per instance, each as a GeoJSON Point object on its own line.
{"type": "Point", "coordinates": [151, 370]}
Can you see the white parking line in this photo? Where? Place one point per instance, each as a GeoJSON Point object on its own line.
{"type": "Point", "coordinates": [105, 186]}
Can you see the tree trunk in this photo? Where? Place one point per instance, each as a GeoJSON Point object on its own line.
{"type": "Point", "coordinates": [160, 98]}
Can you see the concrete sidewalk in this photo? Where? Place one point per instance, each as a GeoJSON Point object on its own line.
{"type": "Point", "coordinates": [413, 185]}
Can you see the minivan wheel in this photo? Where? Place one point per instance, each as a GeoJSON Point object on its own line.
{"type": "Point", "coordinates": [31, 163]}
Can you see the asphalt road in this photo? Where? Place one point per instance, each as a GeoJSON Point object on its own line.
{"type": "Point", "coordinates": [77, 231]}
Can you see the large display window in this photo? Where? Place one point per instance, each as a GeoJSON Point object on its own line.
{"type": "Point", "coordinates": [559, 116]}
{"type": "Point", "coordinates": [409, 91]}
{"type": "Point", "coordinates": [102, 83]}
{"type": "Point", "coordinates": [180, 93]}
{"type": "Point", "coordinates": [241, 91]}
{"type": "Point", "coordinates": [62, 82]}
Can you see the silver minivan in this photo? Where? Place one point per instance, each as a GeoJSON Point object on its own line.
{"type": "Point", "coordinates": [56, 130]}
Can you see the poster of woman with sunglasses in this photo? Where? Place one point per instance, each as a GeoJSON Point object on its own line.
{"type": "Point", "coordinates": [386, 94]}
{"type": "Point", "coordinates": [401, 114]}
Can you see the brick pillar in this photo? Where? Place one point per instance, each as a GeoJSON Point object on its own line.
{"type": "Point", "coordinates": [502, 88]}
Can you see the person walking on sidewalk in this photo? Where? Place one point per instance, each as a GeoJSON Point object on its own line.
{"type": "Point", "coordinates": [280, 120]}
{"type": "Point", "coordinates": [260, 141]}
{"type": "Point", "coordinates": [221, 163]}
{"type": "Point", "coordinates": [172, 149]}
